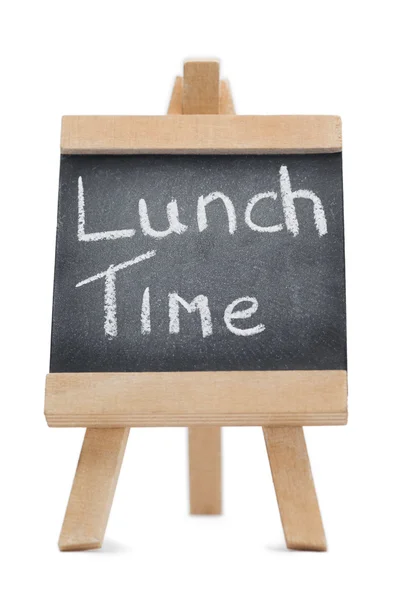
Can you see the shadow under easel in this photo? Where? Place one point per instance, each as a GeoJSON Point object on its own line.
{"type": "Point", "coordinates": [113, 547]}
{"type": "Point", "coordinates": [277, 548]}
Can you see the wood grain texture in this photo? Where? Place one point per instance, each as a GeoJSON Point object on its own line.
{"type": "Point", "coordinates": [200, 134]}
{"type": "Point", "coordinates": [93, 489]}
{"type": "Point", "coordinates": [201, 94]}
{"type": "Point", "coordinates": [205, 470]}
{"type": "Point", "coordinates": [294, 487]}
{"type": "Point", "coordinates": [175, 103]}
{"type": "Point", "coordinates": [226, 105]}
{"type": "Point", "coordinates": [198, 398]}
{"type": "Point", "coordinates": [200, 87]}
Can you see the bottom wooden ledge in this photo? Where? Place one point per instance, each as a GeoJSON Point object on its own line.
{"type": "Point", "coordinates": [271, 398]}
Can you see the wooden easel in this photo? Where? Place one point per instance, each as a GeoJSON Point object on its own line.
{"type": "Point", "coordinates": [200, 91]}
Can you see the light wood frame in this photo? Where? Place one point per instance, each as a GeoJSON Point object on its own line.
{"type": "Point", "coordinates": [279, 398]}
{"type": "Point", "coordinates": [110, 403]}
{"type": "Point", "coordinates": [201, 134]}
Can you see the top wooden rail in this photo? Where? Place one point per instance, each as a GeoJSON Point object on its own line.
{"type": "Point", "coordinates": [201, 134]}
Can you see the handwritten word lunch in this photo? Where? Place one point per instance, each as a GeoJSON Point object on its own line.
{"type": "Point", "coordinates": [175, 227]}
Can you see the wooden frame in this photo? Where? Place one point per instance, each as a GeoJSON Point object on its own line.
{"type": "Point", "coordinates": [201, 134]}
{"type": "Point", "coordinates": [110, 403]}
{"type": "Point", "coordinates": [204, 398]}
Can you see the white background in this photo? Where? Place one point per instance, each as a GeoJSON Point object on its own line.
{"type": "Point", "coordinates": [298, 57]}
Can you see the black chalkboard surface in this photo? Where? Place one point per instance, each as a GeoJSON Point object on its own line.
{"type": "Point", "coordinates": [199, 263]}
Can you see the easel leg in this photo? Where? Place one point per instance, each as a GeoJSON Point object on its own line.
{"type": "Point", "coordinates": [294, 488]}
{"type": "Point", "coordinates": [93, 489]}
{"type": "Point", "coordinates": [205, 470]}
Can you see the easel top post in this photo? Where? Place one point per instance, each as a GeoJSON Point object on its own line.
{"type": "Point", "coordinates": [200, 87]}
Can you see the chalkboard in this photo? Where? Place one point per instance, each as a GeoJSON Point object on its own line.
{"type": "Point", "coordinates": [199, 263]}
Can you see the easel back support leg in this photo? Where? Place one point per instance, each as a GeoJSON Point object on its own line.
{"type": "Point", "coordinates": [294, 488]}
{"type": "Point", "coordinates": [205, 470]}
{"type": "Point", "coordinates": [93, 489]}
